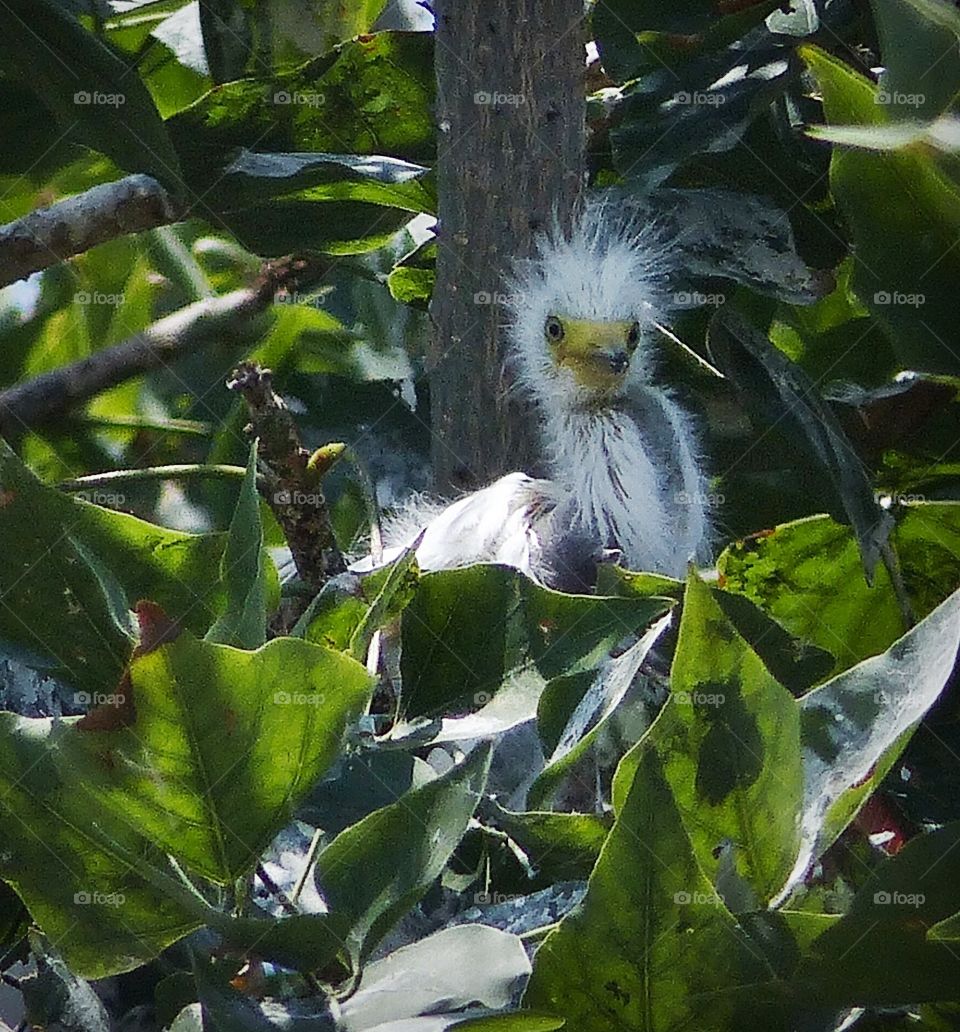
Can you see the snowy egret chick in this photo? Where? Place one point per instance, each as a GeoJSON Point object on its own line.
{"type": "Point", "coordinates": [623, 456]}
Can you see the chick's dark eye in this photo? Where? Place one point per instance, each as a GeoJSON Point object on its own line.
{"type": "Point", "coordinates": [553, 328]}
{"type": "Point", "coordinates": [633, 337]}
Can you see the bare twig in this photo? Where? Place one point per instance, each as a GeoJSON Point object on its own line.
{"type": "Point", "coordinates": [51, 235]}
{"type": "Point", "coordinates": [175, 472]}
{"type": "Point", "coordinates": [295, 497]}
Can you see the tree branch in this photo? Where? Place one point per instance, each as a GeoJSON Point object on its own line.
{"type": "Point", "coordinates": [229, 317]}
{"type": "Point", "coordinates": [51, 235]}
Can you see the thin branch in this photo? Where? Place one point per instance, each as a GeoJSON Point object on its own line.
{"type": "Point", "coordinates": [173, 472]}
{"type": "Point", "coordinates": [228, 318]}
{"type": "Point", "coordinates": [295, 498]}
{"type": "Point", "coordinates": [51, 235]}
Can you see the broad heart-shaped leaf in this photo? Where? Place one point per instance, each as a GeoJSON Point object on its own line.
{"type": "Point", "coordinates": [807, 576]}
{"type": "Point", "coordinates": [68, 856]}
{"type": "Point", "coordinates": [468, 630]}
{"type": "Point", "coordinates": [855, 726]}
{"type": "Point", "coordinates": [53, 602]}
{"type": "Point", "coordinates": [243, 571]}
{"type": "Point", "coordinates": [780, 392]}
{"type": "Point", "coordinates": [729, 743]}
{"type": "Point", "coordinates": [373, 872]}
{"type": "Point", "coordinates": [881, 951]}
{"type": "Point", "coordinates": [907, 196]}
{"type": "Point", "coordinates": [88, 86]}
{"type": "Point", "coordinates": [652, 943]}
{"type": "Point", "coordinates": [222, 745]}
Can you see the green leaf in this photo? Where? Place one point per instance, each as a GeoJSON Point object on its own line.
{"type": "Point", "coordinates": [372, 873]}
{"type": "Point", "coordinates": [574, 710]}
{"type": "Point", "coordinates": [730, 748]}
{"type": "Point", "coordinates": [89, 88]}
{"type": "Point", "coordinates": [904, 196]}
{"type": "Point", "coordinates": [572, 633]}
{"type": "Point", "coordinates": [68, 857]}
{"type": "Point", "coordinates": [371, 95]}
{"type": "Point", "coordinates": [806, 575]}
{"type": "Point", "coordinates": [634, 34]}
{"type": "Point", "coordinates": [253, 177]}
{"type": "Point", "coordinates": [468, 630]}
{"type": "Point", "coordinates": [882, 951]}
{"type": "Point", "coordinates": [454, 635]}
{"type": "Point", "coordinates": [222, 746]}
{"type": "Point", "coordinates": [559, 846]}
{"type": "Point", "coordinates": [62, 554]}
{"type": "Point", "coordinates": [651, 944]}
{"type": "Point", "coordinates": [920, 57]}
{"type": "Point", "coordinates": [776, 388]}
{"type": "Point", "coordinates": [442, 973]}
{"type": "Point", "coordinates": [855, 726]}
{"type": "Point", "coordinates": [243, 623]}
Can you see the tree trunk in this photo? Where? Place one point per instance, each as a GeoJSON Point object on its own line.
{"type": "Point", "coordinates": [510, 111]}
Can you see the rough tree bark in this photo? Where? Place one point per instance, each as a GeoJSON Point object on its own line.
{"type": "Point", "coordinates": [510, 113]}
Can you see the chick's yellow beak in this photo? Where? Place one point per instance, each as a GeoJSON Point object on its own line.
{"type": "Point", "coordinates": [597, 353]}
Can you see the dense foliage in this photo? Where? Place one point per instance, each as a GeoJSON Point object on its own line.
{"type": "Point", "coordinates": [755, 811]}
